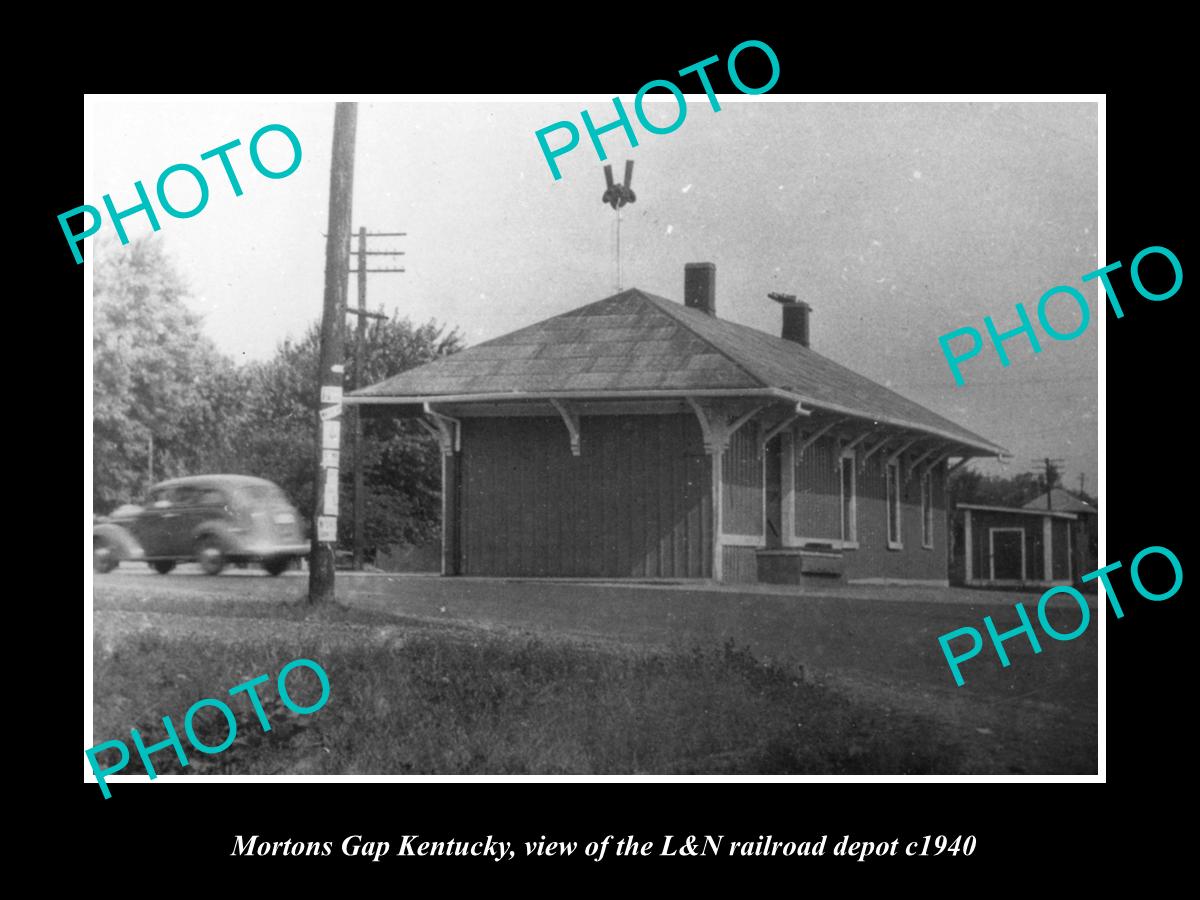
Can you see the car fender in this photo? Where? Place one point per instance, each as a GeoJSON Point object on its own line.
{"type": "Point", "coordinates": [224, 532]}
{"type": "Point", "coordinates": [125, 543]}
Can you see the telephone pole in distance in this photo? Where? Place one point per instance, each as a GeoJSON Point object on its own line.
{"type": "Point", "coordinates": [360, 331]}
{"type": "Point", "coordinates": [1052, 464]}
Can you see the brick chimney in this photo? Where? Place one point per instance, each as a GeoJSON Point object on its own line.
{"type": "Point", "coordinates": [700, 286]}
{"type": "Point", "coordinates": [795, 318]}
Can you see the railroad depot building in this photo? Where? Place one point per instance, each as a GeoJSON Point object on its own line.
{"type": "Point", "coordinates": [636, 437]}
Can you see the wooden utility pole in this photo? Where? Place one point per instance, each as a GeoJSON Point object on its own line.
{"type": "Point", "coordinates": [337, 277]}
{"type": "Point", "coordinates": [360, 331]}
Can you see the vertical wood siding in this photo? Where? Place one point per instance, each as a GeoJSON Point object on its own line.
{"type": "Point", "coordinates": [742, 483]}
{"type": "Point", "coordinates": [740, 566]}
{"type": "Point", "coordinates": [1059, 556]}
{"type": "Point", "coordinates": [637, 502]}
{"type": "Point", "coordinates": [818, 493]}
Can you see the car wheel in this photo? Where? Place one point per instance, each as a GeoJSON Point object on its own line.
{"type": "Point", "coordinates": [276, 565]}
{"type": "Point", "coordinates": [163, 566]}
{"type": "Point", "coordinates": [210, 554]}
{"type": "Point", "coordinates": [104, 556]}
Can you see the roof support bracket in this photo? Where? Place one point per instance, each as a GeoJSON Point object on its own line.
{"type": "Point", "coordinates": [871, 451]}
{"type": "Point", "coordinates": [769, 434]}
{"type": "Point", "coordinates": [448, 430]}
{"type": "Point", "coordinates": [720, 419]}
{"type": "Point", "coordinates": [816, 436]}
{"type": "Point", "coordinates": [912, 466]}
{"type": "Point", "coordinates": [937, 460]}
{"type": "Point", "coordinates": [571, 419]}
{"type": "Point", "coordinates": [896, 455]}
{"type": "Point", "coordinates": [958, 465]}
{"type": "Point", "coordinates": [430, 427]}
{"type": "Point", "coordinates": [858, 440]}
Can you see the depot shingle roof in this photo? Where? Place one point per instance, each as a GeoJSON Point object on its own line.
{"type": "Point", "coordinates": [636, 342]}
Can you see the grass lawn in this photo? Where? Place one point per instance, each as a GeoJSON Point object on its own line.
{"type": "Point", "coordinates": [435, 675]}
{"type": "Point", "coordinates": [409, 698]}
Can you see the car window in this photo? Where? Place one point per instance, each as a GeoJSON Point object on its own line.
{"type": "Point", "coordinates": [211, 497]}
{"type": "Point", "coordinates": [186, 495]}
{"type": "Point", "coordinates": [260, 494]}
{"type": "Point", "coordinates": [158, 499]}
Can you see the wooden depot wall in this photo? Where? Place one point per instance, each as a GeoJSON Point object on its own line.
{"type": "Point", "coordinates": [818, 515]}
{"type": "Point", "coordinates": [636, 502]}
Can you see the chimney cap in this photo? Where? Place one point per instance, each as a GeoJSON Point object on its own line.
{"type": "Point", "coordinates": [787, 299]}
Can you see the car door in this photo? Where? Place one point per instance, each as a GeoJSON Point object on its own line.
{"type": "Point", "coordinates": [209, 504]}
{"type": "Point", "coordinates": [151, 526]}
{"type": "Point", "coordinates": [185, 514]}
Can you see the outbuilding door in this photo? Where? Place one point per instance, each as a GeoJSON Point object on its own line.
{"type": "Point", "coordinates": [1007, 553]}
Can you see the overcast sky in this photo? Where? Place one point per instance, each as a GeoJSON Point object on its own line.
{"type": "Point", "coordinates": [897, 222]}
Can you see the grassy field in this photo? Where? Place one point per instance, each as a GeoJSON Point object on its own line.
{"type": "Point", "coordinates": [466, 703]}
{"type": "Point", "coordinates": [469, 677]}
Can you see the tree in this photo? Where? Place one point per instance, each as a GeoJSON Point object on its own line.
{"type": "Point", "coordinates": [401, 462]}
{"type": "Point", "coordinates": [155, 376]}
{"type": "Point", "coordinates": [969, 486]}
{"type": "Point", "coordinates": [402, 469]}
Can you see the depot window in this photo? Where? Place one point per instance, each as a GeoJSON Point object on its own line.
{"type": "Point", "coordinates": [849, 500]}
{"type": "Point", "coordinates": [927, 511]}
{"type": "Point", "coordinates": [893, 506]}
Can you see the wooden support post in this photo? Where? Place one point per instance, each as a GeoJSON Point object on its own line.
{"type": "Point", "coordinates": [718, 422]}
{"type": "Point", "coordinates": [1047, 549]}
{"type": "Point", "coordinates": [718, 526]}
{"type": "Point", "coordinates": [969, 549]}
{"type": "Point", "coordinates": [448, 432]}
{"type": "Point", "coordinates": [451, 554]}
{"type": "Point", "coordinates": [787, 461]}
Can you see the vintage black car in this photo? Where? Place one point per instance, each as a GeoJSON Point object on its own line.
{"type": "Point", "coordinates": [211, 519]}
